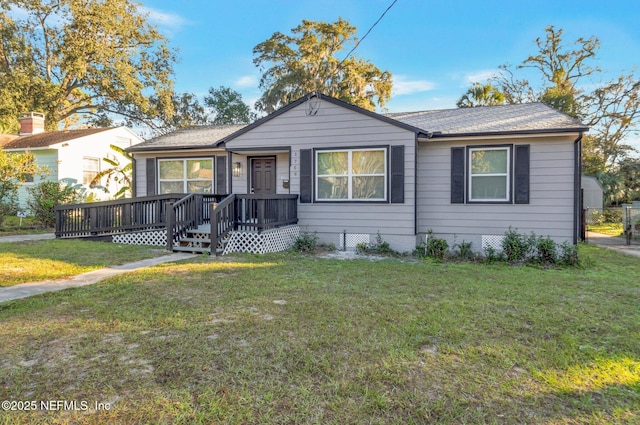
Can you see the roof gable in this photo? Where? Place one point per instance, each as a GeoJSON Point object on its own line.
{"type": "Point", "coordinates": [329, 99]}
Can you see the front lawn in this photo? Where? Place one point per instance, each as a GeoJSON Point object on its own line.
{"type": "Point", "coordinates": [55, 259]}
{"type": "Point", "coordinates": [288, 339]}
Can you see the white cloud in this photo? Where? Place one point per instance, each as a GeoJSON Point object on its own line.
{"type": "Point", "coordinates": [481, 76]}
{"type": "Point", "coordinates": [402, 86]}
{"type": "Point", "coordinates": [246, 81]}
{"type": "Point", "coordinates": [170, 21]}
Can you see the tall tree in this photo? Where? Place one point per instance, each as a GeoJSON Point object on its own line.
{"type": "Point", "coordinates": [306, 61]}
{"type": "Point", "coordinates": [83, 58]}
{"type": "Point", "coordinates": [612, 110]}
{"type": "Point", "coordinates": [227, 107]}
{"type": "Point", "coordinates": [481, 95]}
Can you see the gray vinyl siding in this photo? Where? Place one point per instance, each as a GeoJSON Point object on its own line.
{"type": "Point", "coordinates": [550, 208]}
{"type": "Point", "coordinates": [337, 127]}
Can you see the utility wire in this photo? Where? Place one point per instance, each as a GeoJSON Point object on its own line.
{"type": "Point", "coordinates": [367, 33]}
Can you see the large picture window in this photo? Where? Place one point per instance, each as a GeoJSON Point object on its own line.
{"type": "Point", "coordinates": [489, 174]}
{"type": "Point", "coordinates": [194, 175]}
{"type": "Point", "coordinates": [351, 174]}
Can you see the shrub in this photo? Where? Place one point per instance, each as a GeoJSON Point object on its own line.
{"type": "Point", "coordinates": [569, 254]}
{"type": "Point", "coordinates": [545, 250]}
{"type": "Point", "coordinates": [612, 215]}
{"type": "Point", "coordinates": [433, 247]}
{"type": "Point", "coordinates": [491, 254]}
{"type": "Point", "coordinates": [46, 195]}
{"type": "Point", "coordinates": [379, 246]}
{"type": "Point", "coordinates": [514, 246]}
{"type": "Point", "coordinates": [463, 250]}
{"type": "Point", "coordinates": [306, 242]}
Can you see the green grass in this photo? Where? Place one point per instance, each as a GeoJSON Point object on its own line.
{"type": "Point", "coordinates": [11, 225]}
{"type": "Point", "coordinates": [287, 339]}
{"type": "Point", "coordinates": [54, 259]}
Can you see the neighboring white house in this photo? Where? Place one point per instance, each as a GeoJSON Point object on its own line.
{"type": "Point", "coordinates": [69, 155]}
{"type": "Point", "coordinates": [591, 193]}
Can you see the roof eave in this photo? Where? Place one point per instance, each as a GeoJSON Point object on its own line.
{"type": "Point", "coordinates": [439, 135]}
{"type": "Point", "coordinates": [137, 149]}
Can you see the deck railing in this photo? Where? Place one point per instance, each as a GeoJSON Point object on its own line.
{"type": "Point", "coordinates": [177, 213]}
{"type": "Point", "coordinates": [113, 217]}
{"type": "Point", "coordinates": [223, 221]}
{"type": "Point", "coordinates": [263, 212]}
{"type": "Point", "coordinates": [124, 215]}
{"type": "Point", "coordinates": [187, 214]}
{"type": "Point", "coordinates": [251, 213]}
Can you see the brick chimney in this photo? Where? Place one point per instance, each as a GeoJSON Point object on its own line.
{"type": "Point", "coordinates": [31, 123]}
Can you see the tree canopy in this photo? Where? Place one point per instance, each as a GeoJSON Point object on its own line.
{"type": "Point", "coordinates": [481, 95]}
{"type": "Point", "coordinates": [84, 59]}
{"type": "Point", "coordinates": [227, 107]}
{"type": "Point", "coordinates": [306, 61]}
{"type": "Point", "coordinates": [611, 109]}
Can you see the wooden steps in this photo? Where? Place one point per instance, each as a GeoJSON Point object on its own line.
{"type": "Point", "coordinates": [198, 241]}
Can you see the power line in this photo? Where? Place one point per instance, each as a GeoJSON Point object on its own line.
{"type": "Point", "coordinates": [366, 34]}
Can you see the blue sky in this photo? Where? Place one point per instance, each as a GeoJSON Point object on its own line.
{"type": "Point", "coordinates": [434, 49]}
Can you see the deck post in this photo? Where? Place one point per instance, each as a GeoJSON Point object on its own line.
{"type": "Point", "coordinates": [171, 221]}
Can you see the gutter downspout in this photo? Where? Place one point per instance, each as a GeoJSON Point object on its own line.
{"type": "Point", "coordinates": [429, 135]}
{"type": "Point", "coordinates": [577, 189]}
{"type": "Point", "coordinates": [134, 186]}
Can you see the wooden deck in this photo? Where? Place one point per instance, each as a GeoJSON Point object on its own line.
{"type": "Point", "coordinates": [201, 221]}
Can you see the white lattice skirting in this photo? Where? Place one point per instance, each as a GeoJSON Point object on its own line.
{"type": "Point", "coordinates": [492, 241]}
{"type": "Point", "coordinates": [352, 240]}
{"type": "Point", "coordinates": [151, 237]}
{"type": "Point", "coordinates": [273, 240]}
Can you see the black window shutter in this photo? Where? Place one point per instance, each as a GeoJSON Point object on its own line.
{"type": "Point", "coordinates": [397, 174]}
{"type": "Point", "coordinates": [151, 176]}
{"type": "Point", "coordinates": [457, 175]}
{"type": "Point", "coordinates": [521, 175]}
{"type": "Point", "coordinates": [306, 176]}
{"type": "Point", "coordinates": [221, 175]}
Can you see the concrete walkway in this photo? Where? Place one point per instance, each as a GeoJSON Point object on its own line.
{"type": "Point", "coordinates": [24, 238]}
{"type": "Point", "coordinates": [25, 290]}
{"type": "Point", "coordinates": [616, 243]}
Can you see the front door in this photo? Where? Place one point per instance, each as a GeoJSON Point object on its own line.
{"type": "Point", "coordinates": [263, 176]}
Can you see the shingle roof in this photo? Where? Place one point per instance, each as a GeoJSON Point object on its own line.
{"type": "Point", "coordinates": [44, 140]}
{"type": "Point", "coordinates": [6, 138]}
{"type": "Point", "coordinates": [204, 136]}
{"type": "Point", "coordinates": [487, 120]}
{"type": "Point", "coordinates": [503, 119]}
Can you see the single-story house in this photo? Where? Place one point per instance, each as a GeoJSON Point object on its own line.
{"type": "Point", "coordinates": [70, 155]}
{"type": "Point", "coordinates": [464, 174]}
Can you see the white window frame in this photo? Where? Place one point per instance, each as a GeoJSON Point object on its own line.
{"type": "Point", "coordinates": [184, 178]}
{"type": "Point", "coordinates": [350, 175]}
{"type": "Point", "coordinates": [86, 170]}
{"type": "Point", "coordinates": [507, 175]}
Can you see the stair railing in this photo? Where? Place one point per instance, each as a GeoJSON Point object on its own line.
{"type": "Point", "coordinates": [223, 221]}
{"type": "Point", "coordinates": [182, 216]}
